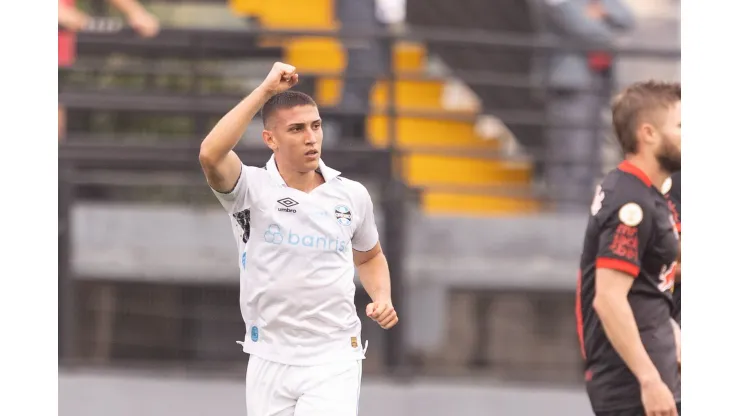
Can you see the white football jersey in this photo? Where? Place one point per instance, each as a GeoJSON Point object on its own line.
{"type": "Point", "coordinates": [295, 257]}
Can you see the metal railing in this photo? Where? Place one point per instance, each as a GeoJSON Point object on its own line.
{"type": "Point", "coordinates": [201, 44]}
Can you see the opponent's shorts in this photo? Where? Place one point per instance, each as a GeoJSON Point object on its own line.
{"type": "Point", "coordinates": [275, 389]}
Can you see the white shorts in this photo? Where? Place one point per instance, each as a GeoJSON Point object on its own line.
{"type": "Point", "coordinates": [275, 389]}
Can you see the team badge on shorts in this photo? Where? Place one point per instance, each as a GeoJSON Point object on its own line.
{"type": "Point", "coordinates": [343, 215]}
{"type": "Point", "coordinates": [353, 342]}
{"type": "Point", "coordinates": [255, 333]}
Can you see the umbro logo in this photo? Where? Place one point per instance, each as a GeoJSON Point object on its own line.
{"type": "Point", "coordinates": [287, 203]}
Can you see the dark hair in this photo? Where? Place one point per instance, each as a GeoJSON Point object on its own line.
{"type": "Point", "coordinates": [284, 100]}
{"type": "Point", "coordinates": [638, 101]}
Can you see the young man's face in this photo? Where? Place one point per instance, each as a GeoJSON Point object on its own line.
{"type": "Point", "coordinates": [295, 135]}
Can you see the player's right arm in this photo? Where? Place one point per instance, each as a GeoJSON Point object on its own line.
{"type": "Point", "coordinates": [220, 164]}
{"type": "Point", "coordinates": [615, 313]}
{"type": "Point", "coordinates": [610, 303]}
{"type": "Point", "coordinates": [624, 236]}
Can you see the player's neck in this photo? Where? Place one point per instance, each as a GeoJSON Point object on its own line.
{"type": "Point", "coordinates": [302, 181]}
{"type": "Point", "coordinates": [651, 167]}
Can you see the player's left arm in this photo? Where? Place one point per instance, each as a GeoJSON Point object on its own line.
{"type": "Point", "coordinates": [375, 277]}
{"type": "Point", "coordinates": [372, 266]}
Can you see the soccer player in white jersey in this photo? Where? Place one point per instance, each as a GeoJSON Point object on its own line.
{"type": "Point", "coordinates": [301, 229]}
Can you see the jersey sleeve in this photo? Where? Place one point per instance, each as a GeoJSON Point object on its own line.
{"type": "Point", "coordinates": [365, 236]}
{"type": "Point", "coordinates": [624, 235]}
{"type": "Point", "coordinates": [238, 198]}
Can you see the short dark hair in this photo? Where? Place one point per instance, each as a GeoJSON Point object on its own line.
{"type": "Point", "coordinates": [635, 102]}
{"type": "Point", "coordinates": [284, 100]}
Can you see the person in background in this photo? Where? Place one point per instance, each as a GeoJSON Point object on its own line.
{"type": "Point", "coordinates": [367, 57]}
{"type": "Point", "coordinates": [72, 20]}
{"type": "Point", "coordinates": [578, 90]}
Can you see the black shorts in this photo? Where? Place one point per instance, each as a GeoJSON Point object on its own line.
{"type": "Point", "coordinates": [635, 411]}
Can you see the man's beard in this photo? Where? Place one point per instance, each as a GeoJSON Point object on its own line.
{"type": "Point", "coordinates": [669, 158]}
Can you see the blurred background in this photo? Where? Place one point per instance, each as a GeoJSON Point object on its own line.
{"type": "Point", "coordinates": [480, 127]}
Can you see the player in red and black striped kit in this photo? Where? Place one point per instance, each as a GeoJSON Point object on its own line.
{"type": "Point", "coordinates": [624, 302]}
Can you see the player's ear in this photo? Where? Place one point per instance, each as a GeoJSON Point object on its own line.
{"type": "Point", "coordinates": [647, 133]}
{"type": "Point", "coordinates": [269, 139]}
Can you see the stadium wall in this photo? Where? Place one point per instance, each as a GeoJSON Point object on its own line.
{"type": "Point", "coordinates": [156, 243]}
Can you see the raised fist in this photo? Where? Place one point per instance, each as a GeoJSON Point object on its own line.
{"type": "Point", "coordinates": [281, 78]}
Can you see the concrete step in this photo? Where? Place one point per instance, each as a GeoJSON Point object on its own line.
{"type": "Point", "coordinates": [554, 234]}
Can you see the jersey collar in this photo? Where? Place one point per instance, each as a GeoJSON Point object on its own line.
{"type": "Point", "coordinates": [628, 167]}
{"type": "Point", "coordinates": [327, 172]}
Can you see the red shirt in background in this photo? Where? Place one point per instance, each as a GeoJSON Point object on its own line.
{"type": "Point", "coordinates": [67, 40]}
{"type": "Point", "coordinates": [600, 61]}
